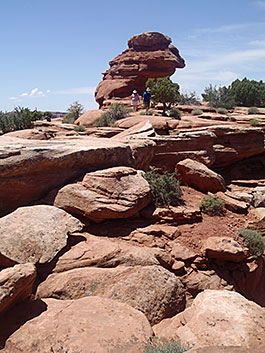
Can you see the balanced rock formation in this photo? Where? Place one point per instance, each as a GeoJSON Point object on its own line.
{"type": "Point", "coordinates": [150, 55]}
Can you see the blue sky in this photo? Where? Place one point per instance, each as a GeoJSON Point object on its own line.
{"type": "Point", "coordinates": [54, 51]}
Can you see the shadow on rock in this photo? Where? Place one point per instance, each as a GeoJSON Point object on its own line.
{"type": "Point", "coordinates": [18, 316]}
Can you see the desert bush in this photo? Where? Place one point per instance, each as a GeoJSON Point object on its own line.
{"type": "Point", "coordinates": [166, 347]}
{"type": "Point", "coordinates": [196, 112]}
{"type": "Point", "coordinates": [220, 97]}
{"type": "Point", "coordinates": [189, 99]}
{"type": "Point", "coordinates": [73, 112]}
{"type": "Point", "coordinates": [212, 205]}
{"type": "Point", "coordinates": [254, 241]}
{"type": "Point", "coordinates": [143, 112]}
{"type": "Point", "coordinates": [221, 111]}
{"type": "Point", "coordinates": [175, 113]}
{"type": "Point", "coordinates": [79, 128]}
{"type": "Point", "coordinates": [115, 112]}
{"type": "Point", "coordinates": [165, 188]}
{"type": "Point", "coordinates": [254, 122]}
{"type": "Point", "coordinates": [20, 118]}
{"type": "Point", "coordinates": [253, 110]}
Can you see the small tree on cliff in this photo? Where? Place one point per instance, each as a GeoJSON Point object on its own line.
{"type": "Point", "coordinates": [164, 91]}
{"type": "Point", "coordinates": [73, 112]}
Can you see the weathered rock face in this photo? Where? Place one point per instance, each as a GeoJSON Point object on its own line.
{"type": "Point", "coordinates": [118, 192]}
{"type": "Point", "coordinates": [16, 284]}
{"type": "Point", "coordinates": [30, 169]}
{"type": "Point", "coordinates": [194, 145]}
{"type": "Point", "coordinates": [91, 324]}
{"type": "Point", "coordinates": [104, 252]}
{"type": "Point", "coordinates": [34, 234]}
{"type": "Point", "coordinates": [196, 174]}
{"type": "Point", "coordinates": [223, 248]}
{"type": "Point", "coordinates": [217, 318]}
{"type": "Point", "coordinates": [153, 290]}
{"type": "Point", "coordinates": [150, 55]}
{"type": "Point", "coordinates": [234, 143]}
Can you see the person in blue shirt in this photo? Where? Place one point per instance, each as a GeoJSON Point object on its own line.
{"type": "Point", "coordinates": [147, 99]}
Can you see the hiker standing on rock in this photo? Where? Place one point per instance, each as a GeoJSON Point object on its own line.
{"type": "Point", "coordinates": [147, 99]}
{"type": "Point", "coordinates": [135, 100]}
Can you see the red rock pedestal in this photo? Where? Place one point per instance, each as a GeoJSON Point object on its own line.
{"type": "Point", "coordinates": [150, 55]}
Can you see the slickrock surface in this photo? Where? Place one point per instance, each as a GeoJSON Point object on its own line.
{"type": "Point", "coordinates": [217, 318]}
{"type": "Point", "coordinates": [150, 55]}
{"type": "Point", "coordinates": [151, 289]}
{"type": "Point", "coordinates": [34, 234]}
{"type": "Point", "coordinates": [118, 192]}
{"type": "Point", "coordinates": [90, 324]}
{"type": "Point", "coordinates": [106, 252]}
{"type": "Point", "coordinates": [16, 285]}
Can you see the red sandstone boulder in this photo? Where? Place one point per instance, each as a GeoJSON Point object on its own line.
{"type": "Point", "coordinates": [196, 174]}
{"type": "Point", "coordinates": [106, 252]}
{"type": "Point", "coordinates": [16, 285]}
{"type": "Point", "coordinates": [232, 204]}
{"type": "Point", "coordinates": [150, 55]}
{"type": "Point", "coordinates": [88, 118]}
{"type": "Point", "coordinates": [34, 234]}
{"type": "Point", "coordinates": [217, 318]}
{"type": "Point", "coordinates": [90, 324]}
{"type": "Point", "coordinates": [151, 289]}
{"type": "Point", "coordinates": [224, 248]}
{"type": "Point", "coordinates": [118, 192]}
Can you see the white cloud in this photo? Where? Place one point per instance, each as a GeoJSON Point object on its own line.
{"type": "Point", "coordinates": [12, 98]}
{"type": "Point", "coordinates": [224, 29]}
{"type": "Point", "coordinates": [79, 90]}
{"type": "Point", "coordinates": [258, 43]}
{"type": "Point", "coordinates": [48, 91]}
{"type": "Point", "coordinates": [36, 93]}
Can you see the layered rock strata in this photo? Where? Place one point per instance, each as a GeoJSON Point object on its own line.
{"type": "Point", "coordinates": [150, 55]}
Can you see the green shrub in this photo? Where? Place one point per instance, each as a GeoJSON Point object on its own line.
{"type": "Point", "coordinates": [212, 205]}
{"type": "Point", "coordinates": [143, 112]}
{"type": "Point", "coordinates": [221, 111]}
{"type": "Point", "coordinates": [254, 122]}
{"type": "Point", "coordinates": [189, 99]}
{"type": "Point", "coordinates": [79, 128]}
{"type": "Point", "coordinates": [165, 188]}
{"type": "Point", "coordinates": [166, 347]}
{"type": "Point", "coordinates": [175, 113]}
{"type": "Point", "coordinates": [73, 112]}
{"type": "Point", "coordinates": [115, 112]}
{"type": "Point", "coordinates": [253, 110]}
{"type": "Point", "coordinates": [220, 97]}
{"type": "Point", "coordinates": [20, 118]}
{"type": "Point", "coordinates": [196, 112]}
{"type": "Point", "coordinates": [254, 241]}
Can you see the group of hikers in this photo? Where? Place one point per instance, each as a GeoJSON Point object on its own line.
{"type": "Point", "coordinates": [146, 98]}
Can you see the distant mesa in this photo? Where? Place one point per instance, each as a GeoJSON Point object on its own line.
{"type": "Point", "coordinates": [150, 55]}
